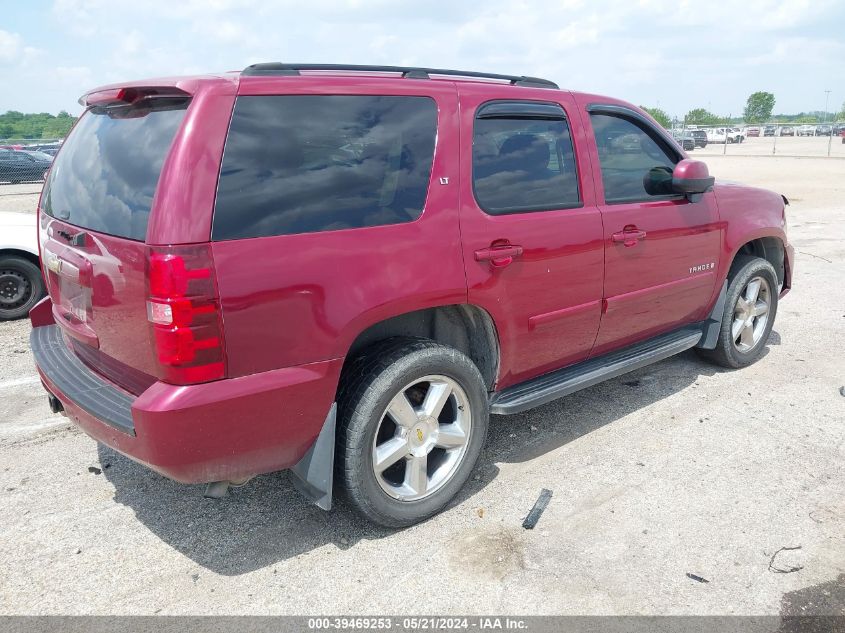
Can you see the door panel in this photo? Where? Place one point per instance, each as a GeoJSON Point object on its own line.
{"type": "Point", "coordinates": [545, 296]}
{"type": "Point", "coordinates": [661, 251]}
{"type": "Point", "coordinates": [655, 285]}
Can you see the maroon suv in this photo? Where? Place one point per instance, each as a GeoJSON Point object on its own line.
{"type": "Point", "coordinates": [343, 270]}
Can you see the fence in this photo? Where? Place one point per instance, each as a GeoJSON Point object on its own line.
{"type": "Point", "coordinates": [768, 139]}
{"type": "Point", "coordinates": [26, 160]}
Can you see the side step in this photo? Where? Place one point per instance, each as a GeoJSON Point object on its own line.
{"type": "Point", "coordinates": [590, 372]}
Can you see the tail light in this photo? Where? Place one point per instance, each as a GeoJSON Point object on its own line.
{"type": "Point", "coordinates": [184, 311]}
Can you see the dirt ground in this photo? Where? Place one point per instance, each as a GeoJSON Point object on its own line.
{"type": "Point", "coordinates": [677, 470]}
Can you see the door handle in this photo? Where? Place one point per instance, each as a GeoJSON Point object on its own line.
{"type": "Point", "coordinates": [499, 256]}
{"type": "Point", "coordinates": [629, 236]}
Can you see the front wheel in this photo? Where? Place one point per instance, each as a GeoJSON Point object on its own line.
{"type": "Point", "coordinates": [413, 417]}
{"type": "Point", "coordinates": [750, 308]}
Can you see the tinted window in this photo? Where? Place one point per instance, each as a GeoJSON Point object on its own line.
{"type": "Point", "coordinates": [626, 154]}
{"type": "Point", "coordinates": [299, 164]}
{"type": "Point", "coordinates": [105, 177]}
{"type": "Point", "coordinates": [523, 164]}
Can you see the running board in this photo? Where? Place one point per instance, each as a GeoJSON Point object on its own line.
{"type": "Point", "coordinates": [590, 372]}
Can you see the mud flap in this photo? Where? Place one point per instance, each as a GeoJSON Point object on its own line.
{"type": "Point", "coordinates": [711, 327]}
{"type": "Point", "coordinates": [313, 474]}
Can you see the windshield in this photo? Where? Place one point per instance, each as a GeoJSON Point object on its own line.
{"type": "Point", "coordinates": [105, 177]}
{"type": "Point", "coordinates": [39, 155]}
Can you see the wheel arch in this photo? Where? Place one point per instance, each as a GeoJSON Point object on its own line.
{"type": "Point", "coordinates": [466, 327]}
{"type": "Point", "coordinates": [768, 247]}
{"type": "Point", "coordinates": [17, 252]}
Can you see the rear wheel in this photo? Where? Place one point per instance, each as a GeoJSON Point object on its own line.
{"type": "Point", "coordinates": [412, 421]}
{"type": "Point", "coordinates": [750, 308]}
{"type": "Point", "coordinates": [21, 286]}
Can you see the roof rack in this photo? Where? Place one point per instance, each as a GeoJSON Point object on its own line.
{"type": "Point", "coordinates": [410, 72]}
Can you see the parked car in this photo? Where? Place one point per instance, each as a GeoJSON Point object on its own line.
{"type": "Point", "coordinates": [752, 131]}
{"type": "Point", "coordinates": [700, 137]}
{"type": "Point", "coordinates": [684, 139]}
{"type": "Point", "coordinates": [378, 261]}
{"type": "Point", "coordinates": [805, 130]}
{"type": "Point", "coordinates": [50, 148]}
{"type": "Point", "coordinates": [823, 130]}
{"type": "Point", "coordinates": [719, 135]}
{"type": "Point", "coordinates": [20, 166]}
{"type": "Point", "coordinates": [21, 285]}
{"type": "Point", "coordinates": [736, 135]}
{"type": "Point", "coordinates": [786, 130]}
{"type": "Point", "coordinates": [769, 130]}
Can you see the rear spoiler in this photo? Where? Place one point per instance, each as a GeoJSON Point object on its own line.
{"type": "Point", "coordinates": [128, 96]}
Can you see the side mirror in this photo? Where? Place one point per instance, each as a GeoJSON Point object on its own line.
{"type": "Point", "coordinates": [691, 178]}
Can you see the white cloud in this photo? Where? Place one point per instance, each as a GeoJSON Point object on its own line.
{"type": "Point", "coordinates": [681, 53]}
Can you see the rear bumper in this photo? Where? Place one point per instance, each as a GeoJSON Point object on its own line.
{"type": "Point", "coordinates": [224, 430]}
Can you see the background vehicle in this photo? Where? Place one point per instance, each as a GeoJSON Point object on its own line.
{"type": "Point", "coordinates": [823, 130]}
{"type": "Point", "coordinates": [752, 131]}
{"type": "Point", "coordinates": [805, 130]}
{"type": "Point", "coordinates": [21, 165]}
{"type": "Point", "coordinates": [700, 137]}
{"type": "Point", "coordinates": [787, 130]}
{"type": "Point", "coordinates": [685, 139]}
{"type": "Point", "coordinates": [255, 326]}
{"type": "Point", "coordinates": [21, 285]}
{"type": "Point", "coordinates": [719, 134]}
{"type": "Point", "coordinates": [736, 135]}
{"type": "Point", "coordinates": [769, 130]}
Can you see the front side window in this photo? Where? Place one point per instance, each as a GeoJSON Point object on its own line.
{"type": "Point", "coordinates": [627, 154]}
{"type": "Point", "coordinates": [522, 159]}
{"type": "Point", "coordinates": [301, 164]}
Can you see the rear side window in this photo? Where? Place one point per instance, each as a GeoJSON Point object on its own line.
{"type": "Point", "coordinates": [301, 164]}
{"type": "Point", "coordinates": [106, 175]}
{"type": "Point", "coordinates": [522, 158]}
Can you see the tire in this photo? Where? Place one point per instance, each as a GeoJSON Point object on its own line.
{"type": "Point", "coordinates": [740, 350]}
{"type": "Point", "coordinates": [388, 375]}
{"type": "Point", "coordinates": [21, 286]}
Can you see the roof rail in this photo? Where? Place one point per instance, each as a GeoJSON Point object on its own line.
{"type": "Point", "coordinates": [280, 69]}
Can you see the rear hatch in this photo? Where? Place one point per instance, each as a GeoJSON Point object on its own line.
{"type": "Point", "coordinates": [94, 213]}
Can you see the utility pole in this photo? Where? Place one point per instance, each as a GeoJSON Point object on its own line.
{"type": "Point", "coordinates": [826, 97]}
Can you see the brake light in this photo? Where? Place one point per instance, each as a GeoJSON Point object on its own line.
{"type": "Point", "coordinates": [184, 312]}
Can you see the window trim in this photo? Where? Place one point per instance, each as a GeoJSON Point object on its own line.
{"type": "Point", "coordinates": [662, 138]}
{"type": "Point", "coordinates": [527, 115]}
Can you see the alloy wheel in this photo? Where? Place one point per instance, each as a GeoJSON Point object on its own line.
{"type": "Point", "coordinates": [422, 438]}
{"type": "Point", "coordinates": [751, 314]}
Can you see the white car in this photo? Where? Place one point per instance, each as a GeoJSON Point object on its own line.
{"type": "Point", "coordinates": [717, 135]}
{"type": "Point", "coordinates": [21, 284]}
{"type": "Point", "coordinates": [805, 130]}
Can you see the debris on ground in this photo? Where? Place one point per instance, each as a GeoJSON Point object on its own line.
{"type": "Point", "coordinates": [696, 578]}
{"type": "Point", "coordinates": [537, 510]}
{"type": "Point", "coordinates": [842, 391]}
{"type": "Point", "coordinates": [480, 513]}
{"type": "Point", "coordinates": [94, 469]}
{"type": "Point", "coordinates": [789, 568]}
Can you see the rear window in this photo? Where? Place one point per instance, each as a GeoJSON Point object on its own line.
{"type": "Point", "coordinates": [301, 164]}
{"type": "Point", "coordinates": [105, 177]}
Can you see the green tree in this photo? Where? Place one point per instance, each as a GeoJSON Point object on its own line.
{"type": "Point", "coordinates": [841, 116]}
{"type": "Point", "coordinates": [700, 116]}
{"type": "Point", "coordinates": [758, 108]}
{"type": "Point", "coordinates": [659, 115]}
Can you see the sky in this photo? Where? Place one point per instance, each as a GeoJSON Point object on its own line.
{"type": "Point", "coordinates": [673, 54]}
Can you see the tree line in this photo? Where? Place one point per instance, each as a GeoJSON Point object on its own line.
{"type": "Point", "coordinates": [758, 109]}
{"type": "Point", "coordinates": [17, 125]}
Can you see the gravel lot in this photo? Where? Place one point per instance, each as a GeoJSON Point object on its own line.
{"type": "Point", "coordinates": [677, 469]}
